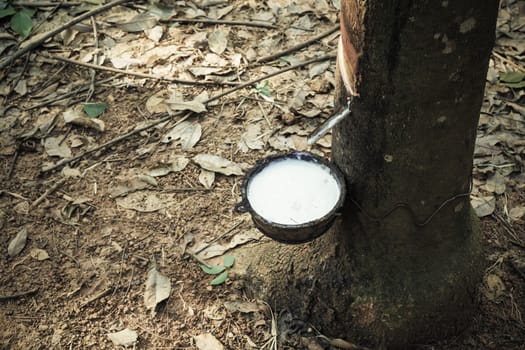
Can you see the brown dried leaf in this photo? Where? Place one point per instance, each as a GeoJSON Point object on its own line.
{"type": "Point", "coordinates": [139, 23]}
{"type": "Point", "coordinates": [218, 164]}
{"type": "Point", "coordinates": [156, 104]}
{"type": "Point", "coordinates": [206, 178]}
{"type": "Point", "coordinates": [157, 288]}
{"type": "Point", "coordinates": [39, 254]}
{"type": "Point", "coordinates": [206, 341]}
{"type": "Point", "coordinates": [125, 337]}
{"type": "Point", "coordinates": [218, 41]}
{"type": "Point", "coordinates": [176, 103]}
{"type": "Point", "coordinates": [483, 206]}
{"type": "Point", "coordinates": [318, 69]}
{"type": "Point", "coordinates": [176, 164]}
{"type": "Point", "coordinates": [495, 287]}
{"type": "Point", "coordinates": [54, 148]}
{"type": "Point", "coordinates": [251, 138]}
{"type": "Point", "coordinates": [496, 183]}
{"type": "Point", "coordinates": [144, 202]}
{"type": "Point", "coordinates": [517, 213]}
{"type": "Point", "coordinates": [243, 306]}
{"type": "Point", "coordinates": [18, 243]}
{"type": "Point", "coordinates": [187, 134]}
{"type": "Point", "coordinates": [76, 117]}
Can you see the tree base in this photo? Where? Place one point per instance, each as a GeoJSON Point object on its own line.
{"type": "Point", "coordinates": [371, 299]}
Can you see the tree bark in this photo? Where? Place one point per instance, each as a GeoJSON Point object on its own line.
{"type": "Point", "coordinates": [402, 264]}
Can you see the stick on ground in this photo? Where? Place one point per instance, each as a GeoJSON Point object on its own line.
{"type": "Point", "coordinates": [299, 46]}
{"type": "Point", "coordinates": [18, 295]}
{"type": "Point", "coordinates": [136, 74]}
{"type": "Point", "coordinates": [166, 117]}
{"type": "Point", "coordinates": [218, 21]}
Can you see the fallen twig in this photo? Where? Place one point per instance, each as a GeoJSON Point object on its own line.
{"type": "Point", "coordinates": [509, 229]}
{"type": "Point", "coordinates": [96, 297]}
{"type": "Point", "coordinates": [67, 95]}
{"type": "Point", "coordinates": [280, 71]}
{"type": "Point", "coordinates": [219, 21]}
{"type": "Point", "coordinates": [299, 46]}
{"type": "Point", "coordinates": [18, 295]}
{"type": "Point", "coordinates": [48, 192]}
{"type": "Point", "coordinates": [92, 72]}
{"type": "Point", "coordinates": [13, 163]}
{"type": "Point", "coordinates": [208, 3]}
{"type": "Point", "coordinates": [12, 194]}
{"type": "Point", "coordinates": [30, 45]}
{"type": "Point", "coordinates": [136, 74]}
{"type": "Point", "coordinates": [46, 3]}
{"type": "Point", "coordinates": [167, 117]}
{"type": "Point", "coordinates": [509, 62]}
{"type": "Point", "coordinates": [186, 189]}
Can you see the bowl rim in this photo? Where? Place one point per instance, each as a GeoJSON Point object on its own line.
{"type": "Point", "coordinates": [244, 205]}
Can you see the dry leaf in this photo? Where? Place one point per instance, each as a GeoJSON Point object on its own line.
{"type": "Point", "coordinates": [18, 243]}
{"type": "Point", "coordinates": [145, 203]}
{"type": "Point", "coordinates": [177, 103]}
{"type": "Point", "coordinates": [483, 206]}
{"type": "Point", "coordinates": [53, 147]}
{"type": "Point", "coordinates": [125, 337]}
{"type": "Point", "coordinates": [22, 208]}
{"type": "Point", "coordinates": [156, 104]}
{"type": "Point", "coordinates": [517, 213]}
{"type": "Point", "coordinates": [76, 117]}
{"type": "Point", "coordinates": [21, 87]}
{"type": "Point", "coordinates": [186, 133]}
{"type": "Point", "coordinates": [157, 289]}
{"type": "Point", "coordinates": [155, 33]}
{"type": "Point", "coordinates": [70, 172]}
{"type": "Point", "coordinates": [218, 41]}
{"type": "Point", "coordinates": [218, 249]}
{"type": "Point", "coordinates": [140, 22]}
{"type": "Point", "coordinates": [130, 185]}
{"type": "Point", "coordinates": [206, 178]}
{"type": "Point", "coordinates": [281, 143]}
{"type": "Point", "coordinates": [203, 71]}
{"type": "Point", "coordinates": [218, 164]}
{"type": "Point", "coordinates": [318, 69]}
{"type": "Point", "coordinates": [495, 287]}
{"type": "Point", "coordinates": [177, 164]}
{"type": "Point", "coordinates": [39, 254]}
{"type": "Point", "coordinates": [496, 183]}
{"type": "Point", "coordinates": [251, 138]}
{"type": "Point", "coordinates": [150, 180]}
{"type": "Point", "coordinates": [243, 306]}
{"type": "Point", "coordinates": [206, 341]}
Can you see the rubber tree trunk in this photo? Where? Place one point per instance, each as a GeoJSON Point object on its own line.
{"type": "Point", "coordinates": [402, 264]}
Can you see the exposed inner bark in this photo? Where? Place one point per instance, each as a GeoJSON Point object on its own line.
{"type": "Point", "coordinates": [385, 274]}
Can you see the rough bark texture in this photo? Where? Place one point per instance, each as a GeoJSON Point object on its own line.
{"type": "Point", "coordinates": [385, 275]}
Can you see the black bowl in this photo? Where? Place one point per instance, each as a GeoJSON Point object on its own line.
{"type": "Point", "coordinates": [299, 233]}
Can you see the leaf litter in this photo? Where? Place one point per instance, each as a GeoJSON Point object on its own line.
{"type": "Point", "coordinates": [157, 289]}
{"type": "Point", "coordinates": [160, 224]}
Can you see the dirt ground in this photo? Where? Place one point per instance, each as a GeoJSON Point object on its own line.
{"type": "Point", "coordinates": [115, 240]}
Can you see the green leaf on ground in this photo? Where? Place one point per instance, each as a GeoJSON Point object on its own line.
{"type": "Point", "coordinates": [213, 269]}
{"type": "Point", "coordinates": [21, 23]}
{"type": "Point", "coordinates": [263, 89]}
{"type": "Point", "coordinates": [28, 11]}
{"type": "Point", "coordinates": [8, 11]}
{"type": "Point", "coordinates": [229, 260]}
{"type": "Point", "coordinates": [519, 85]}
{"type": "Point", "coordinates": [512, 77]}
{"type": "Point", "coordinates": [94, 110]}
{"type": "Point", "coordinates": [219, 279]}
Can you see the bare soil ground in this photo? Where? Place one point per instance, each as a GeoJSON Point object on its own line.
{"type": "Point", "coordinates": [96, 226]}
